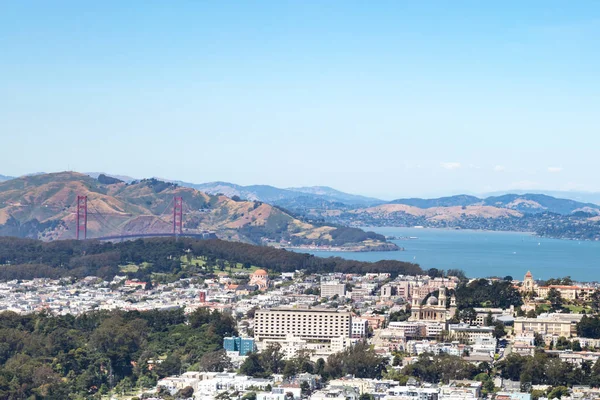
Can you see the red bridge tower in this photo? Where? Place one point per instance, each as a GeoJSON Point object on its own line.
{"type": "Point", "coordinates": [81, 217]}
{"type": "Point", "coordinates": [177, 215]}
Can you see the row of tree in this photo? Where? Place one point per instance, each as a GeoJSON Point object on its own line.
{"type": "Point", "coordinates": [27, 259]}
{"type": "Point", "coordinates": [67, 357]}
{"type": "Point", "coordinates": [359, 360]}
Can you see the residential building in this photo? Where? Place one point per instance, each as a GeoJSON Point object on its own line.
{"type": "Point", "coordinates": [241, 346]}
{"type": "Point", "coordinates": [360, 328]}
{"type": "Point", "coordinates": [331, 289]}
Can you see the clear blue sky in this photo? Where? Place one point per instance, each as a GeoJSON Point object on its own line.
{"type": "Point", "coordinates": [386, 98]}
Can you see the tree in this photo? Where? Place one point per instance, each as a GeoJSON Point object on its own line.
{"type": "Point", "coordinates": [185, 393]}
{"type": "Point", "coordinates": [531, 314]}
{"type": "Point", "coordinates": [468, 315]}
{"type": "Point", "coordinates": [538, 340]}
{"type": "Point", "coordinates": [252, 366]}
{"type": "Point", "coordinates": [305, 388]}
{"type": "Point", "coordinates": [320, 366]}
{"type": "Point", "coordinates": [359, 360]}
{"type": "Point", "coordinates": [589, 327]}
{"type": "Point", "coordinates": [489, 320]}
{"type": "Point", "coordinates": [555, 299]}
{"type": "Point", "coordinates": [558, 392]}
{"type": "Point", "coordinates": [272, 359]}
{"type": "Point", "coordinates": [215, 361]}
{"type": "Point", "coordinates": [595, 301]}
{"type": "Point", "coordinates": [499, 330]}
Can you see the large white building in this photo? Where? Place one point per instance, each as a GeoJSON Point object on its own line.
{"type": "Point", "coordinates": [308, 323]}
{"type": "Point", "coordinates": [360, 328]}
{"type": "Point", "coordinates": [330, 289]}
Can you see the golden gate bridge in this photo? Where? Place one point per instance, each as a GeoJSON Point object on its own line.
{"type": "Point", "coordinates": [85, 210]}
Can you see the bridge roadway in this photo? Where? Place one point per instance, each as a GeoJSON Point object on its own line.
{"type": "Point", "coordinates": [206, 235]}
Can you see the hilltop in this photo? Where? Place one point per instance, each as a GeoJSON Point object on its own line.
{"type": "Point", "coordinates": [43, 206]}
{"type": "Point", "coordinates": [285, 197]}
{"type": "Point", "coordinates": [524, 203]}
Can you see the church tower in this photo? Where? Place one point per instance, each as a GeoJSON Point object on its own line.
{"type": "Point", "coordinates": [528, 283]}
{"type": "Point", "coordinates": [442, 297]}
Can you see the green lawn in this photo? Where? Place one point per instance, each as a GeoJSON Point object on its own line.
{"type": "Point", "coordinates": [201, 263]}
{"type": "Point", "coordinates": [575, 309]}
{"type": "Point", "coordinates": [129, 268]}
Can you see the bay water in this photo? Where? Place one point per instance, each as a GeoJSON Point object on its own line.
{"type": "Point", "coordinates": [484, 254]}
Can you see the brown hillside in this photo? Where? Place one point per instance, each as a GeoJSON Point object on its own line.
{"type": "Point", "coordinates": [139, 207]}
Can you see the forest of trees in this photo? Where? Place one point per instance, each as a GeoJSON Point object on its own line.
{"type": "Point", "coordinates": [67, 357]}
{"type": "Point", "coordinates": [27, 258]}
{"type": "Point", "coordinates": [483, 293]}
{"type": "Point", "coordinates": [359, 360]}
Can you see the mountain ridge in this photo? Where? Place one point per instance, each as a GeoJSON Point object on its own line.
{"type": "Point", "coordinates": [43, 206]}
{"type": "Point", "coordinates": [524, 203]}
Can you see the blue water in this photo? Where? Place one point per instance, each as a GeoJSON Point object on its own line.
{"type": "Point", "coordinates": [483, 254]}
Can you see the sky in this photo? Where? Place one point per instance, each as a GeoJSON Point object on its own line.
{"type": "Point", "coordinates": [386, 98]}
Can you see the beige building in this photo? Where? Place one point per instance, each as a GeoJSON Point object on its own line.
{"type": "Point", "coordinates": [567, 292]}
{"type": "Point", "coordinates": [330, 289]}
{"type": "Point", "coordinates": [307, 324]}
{"type": "Point", "coordinates": [549, 324]}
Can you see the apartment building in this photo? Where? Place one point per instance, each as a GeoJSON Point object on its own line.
{"type": "Point", "coordinates": [307, 324]}
{"type": "Point", "coordinates": [330, 289]}
{"type": "Point", "coordinates": [360, 328]}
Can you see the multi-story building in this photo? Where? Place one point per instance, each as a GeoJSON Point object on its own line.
{"type": "Point", "coordinates": [308, 324]}
{"type": "Point", "coordinates": [484, 312]}
{"type": "Point", "coordinates": [239, 345]}
{"type": "Point", "coordinates": [330, 289]}
{"type": "Point", "coordinates": [360, 328]}
{"type": "Point", "coordinates": [470, 333]}
{"type": "Point", "coordinates": [549, 324]}
{"type": "Point", "coordinates": [359, 293]}
{"type": "Point", "coordinates": [414, 329]}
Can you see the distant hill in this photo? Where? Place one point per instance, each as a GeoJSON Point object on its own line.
{"type": "Point", "coordinates": [123, 178]}
{"type": "Point", "coordinates": [5, 178]}
{"type": "Point", "coordinates": [270, 194]}
{"type": "Point", "coordinates": [528, 203]}
{"type": "Point", "coordinates": [545, 215]}
{"type": "Point", "coordinates": [451, 201]}
{"type": "Point", "coordinates": [43, 206]}
{"type": "Point", "coordinates": [334, 195]}
{"type": "Point", "coordinates": [584, 197]}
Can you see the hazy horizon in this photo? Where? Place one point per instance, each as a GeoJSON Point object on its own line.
{"type": "Point", "coordinates": [574, 194]}
{"type": "Point", "coordinates": [386, 100]}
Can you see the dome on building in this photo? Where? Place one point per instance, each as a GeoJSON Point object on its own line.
{"type": "Point", "coordinates": [432, 301]}
{"type": "Point", "coordinates": [260, 272]}
{"type": "Point", "coordinates": [528, 274]}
